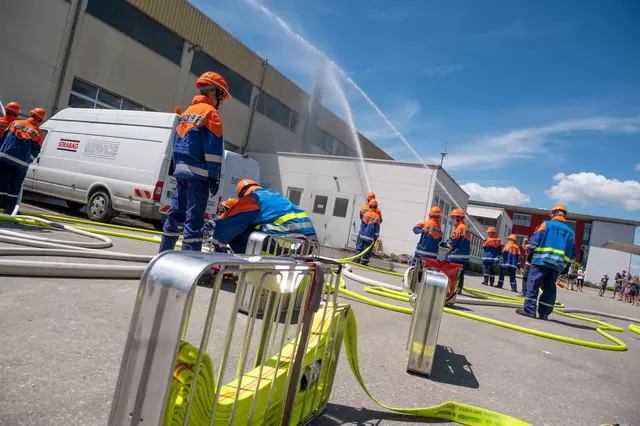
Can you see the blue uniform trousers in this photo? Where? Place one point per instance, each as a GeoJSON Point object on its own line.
{"type": "Point", "coordinates": [188, 206]}
{"type": "Point", "coordinates": [361, 245]}
{"type": "Point", "coordinates": [489, 272]}
{"type": "Point", "coordinates": [541, 277]}
{"type": "Point", "coordinates": [11, 179]}
{"type": "Point", "coordinates": [511, 273]}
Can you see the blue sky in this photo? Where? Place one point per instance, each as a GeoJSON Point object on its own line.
{"type": "Point", "coordinates": [536, 101]}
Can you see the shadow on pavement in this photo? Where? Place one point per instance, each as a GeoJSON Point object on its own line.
{"type": "Point", "coordinates": [336, 414]}
{"type": "Point", "coordinates": [452, 368]}
{"type": "Point", "coordinates": [572, 325]}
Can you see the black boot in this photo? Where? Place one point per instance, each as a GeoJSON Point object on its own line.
{"type": "Point", "coordinates": [522, 312]}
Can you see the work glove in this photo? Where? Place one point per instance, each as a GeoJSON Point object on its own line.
{"type": "Point", "coordinates": [210, 225]}
{"type": "Point", "coordinates": [214, 184]}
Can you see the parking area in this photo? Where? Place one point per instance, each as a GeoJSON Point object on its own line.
{"type": "Point", "coordinates": [63, 341]}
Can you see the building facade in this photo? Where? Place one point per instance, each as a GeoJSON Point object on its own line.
{"type": "Point", "coordinates": [146, 55]}
{"type": "Point", "coordinates": [591, 232]}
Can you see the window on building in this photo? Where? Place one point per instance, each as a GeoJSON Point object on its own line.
{"type": "Point", "coordinates": [520, 239]}
{"type": "Point", "coordinates": [587, 234]}
{"type": "Point", "coordinates": [584, 254]}
{"type": "Point", "coordinates": [572, 224]}
{"type": "Point", "coordinates": [85, 95]}
{"type": "Point", "coordinates": [320, 204]}
{"type": "Point", "coordinates": [277, 111]}
{"type": "Point", "coordinates": [294, 195]}
{"type": "Point", "coordinates": [343, 150]}
{"type": "Point", "coordinates": [239, 87]}
{"type": "Point", "coordinates": [521, 219]}
{"type": "Point", "coordinates": [145, 30]}
{"type": "Point", "coordinates": [340, 207]}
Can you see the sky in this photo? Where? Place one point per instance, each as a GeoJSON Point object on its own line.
{"type": "Point", "coordinates": [536, 102]}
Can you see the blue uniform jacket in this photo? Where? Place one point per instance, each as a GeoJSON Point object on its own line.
{"type": "Point", "coordinates": [263, 210]}
{"type": "Point", "coordinates": [511, 256]}
{"type": "Point", "coordinates": [460, 244]}
{"type": "Point", "coordinates": [370, 226]}
{"type": "Point", "coordinates": [553, 244]}
{"type": "Point", "coordinates": [21, 143]}
{"type": "Point", "coordinates": [492, 249]}
{"type": "Point", "coordinates": [198, 145]}
{"type": "Point", "coordinates": [430, 238]}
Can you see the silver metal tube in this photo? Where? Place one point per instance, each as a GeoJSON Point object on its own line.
{"type": "Point", "coordinates": [347, 272]}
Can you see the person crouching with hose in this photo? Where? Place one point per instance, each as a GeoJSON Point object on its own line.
{"type": "Point", "coordinates": [430, 236]}
{"type": "Point", "coordinates": [551, 250]}
{"type": "Point", "coordinates": [369, 233]}
{"type": "Point", "coordinates": [459, 244]}
{"type": "Point", "coordinates": [210, 226]}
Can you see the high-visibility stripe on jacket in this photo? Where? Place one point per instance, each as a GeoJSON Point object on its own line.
{"type": "Point", "coordinates": [198, 145]}
{"type": "Point", "coordinates": [364, 209]}
{"type": "Point", "coordinates": [430, 238]}
{"type": "Point", "coordinates": [370, 226]}
{"type": "Point", "coordinates": [21, 143]}
{"type": "Point", "coordinates": [5, 122]}
{"type": "Point", "coordinates": [492, 249]}
{"type": "Point", "coordinates": [263, 210]}
{"type": "Point", "coordinates": [511, 255]}
{"type": "Point", "coordinates": [553, 244]}
{"type": "Point", "coordinates": [460, 243]}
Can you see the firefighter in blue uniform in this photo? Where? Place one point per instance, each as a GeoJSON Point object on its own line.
{"type": "Point", "coordinates": [551, 249]}
{"type": "Point", "coordinates": [11, 112]}
{"type": "Point", "coordinates": [459, 244]}
{"type": "Point", "coordinates": [260, 209]}
{"type": "Point", "coordinates": [492, 249]}
{"type": "Point", "coordinates": [19, 146]}
{"type": "Point", "coordinates": [197, 154]}
{"type": "Point", "coordinates": [369, 232]}
{"type": "Point", "coordinates": [430, 236]}
{"type": "Point", "coordinates": [510, 262]}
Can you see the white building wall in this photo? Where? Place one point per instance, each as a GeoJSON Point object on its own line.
{"type": "Point", "coordinates": [402, 189]}
{"type": "Point", "coordinates": [606, 261]}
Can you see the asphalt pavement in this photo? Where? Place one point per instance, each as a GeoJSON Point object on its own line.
{"type": "Point", "coordinates": [63, 341]}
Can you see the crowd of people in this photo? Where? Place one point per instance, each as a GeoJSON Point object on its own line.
{"type": "Point", "coordinates": [625, 285]}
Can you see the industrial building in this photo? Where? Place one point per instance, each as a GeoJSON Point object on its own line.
{"type": "Point", "coordinates": [591, 232]}
{"type": "Point", "coordinates": [146, 55]}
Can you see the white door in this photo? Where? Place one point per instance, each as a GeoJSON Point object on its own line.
{"type": "Point", "coordinates": [354, 225]}
{"type": "Point", "coordinates": [56, 165]}
{"type": "Point", "coordinates": [332, 215]}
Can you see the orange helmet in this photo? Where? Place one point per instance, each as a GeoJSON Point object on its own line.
{"type": "Point", "coordinates": [434, 212]}
{"type": "Point", "coordinates": [559, 207]}
{"type": "Point", "coordinates": [178, 110]}
{"type": "Point", "coordinates": [12, 108]}
{"type": "Point", "coordinates": [512, 237]}
{"type": "Point", "coordinates": [371, 196]}
{"type": "Point", "coordinates": [230, 202]}
{"type": "Point", "coordinates": [492, 230]}
{"type": "Point", "coordinates": [38, 114]}
{"type": "Point", "coordinates": [457, 212]}
{"type": "Point", "coordinates": [244, 185]}
{"type": "Point", "coordinates": [210, 79]}
{"type": "Point", "coordinates": [373, 203]}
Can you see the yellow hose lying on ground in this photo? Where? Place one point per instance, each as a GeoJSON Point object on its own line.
{"type": "Point", "coordinates": [90, 222]}
{"type": "Point", "coordinates": [349, 259]}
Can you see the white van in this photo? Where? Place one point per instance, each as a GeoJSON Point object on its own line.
{"type": "Point", "coordinates": [117, 161]}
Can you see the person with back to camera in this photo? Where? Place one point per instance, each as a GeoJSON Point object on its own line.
{"type": "Point", "coordinates": [603, 284]}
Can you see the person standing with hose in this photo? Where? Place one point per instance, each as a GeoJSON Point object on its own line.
{"type": "Point", "coordinates": [430, 236]}
{"type": "Point", "coordinates": [459, 244]}
{"type": "Point", "coordinates": [510, 262]}
{"type": "Point", "coordinates": [19, 146]}
{"type": "Point", "coordinates": [198, 148]}
{"type": "Point", "coordinates": [491, 256]}
{"type": "Point", "coordinates": [551, 250]}
{"type": "Point", "coordinates": [369, 233]}
{"type": "Point", "coordinates": [11, 112]}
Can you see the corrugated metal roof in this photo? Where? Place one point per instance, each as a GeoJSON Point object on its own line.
{"type": "Point", "coordinates": [483, 212]}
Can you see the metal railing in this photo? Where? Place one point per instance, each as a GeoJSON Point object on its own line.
{"type": "Point", "coordinates": [282, 363]}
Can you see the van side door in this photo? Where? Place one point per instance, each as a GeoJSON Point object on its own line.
{"type": "Point", "coordinates": [56, 164]}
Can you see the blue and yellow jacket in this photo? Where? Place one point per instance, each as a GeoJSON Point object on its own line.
{"type": "Point", "coordinates": [460, 244]}
{"type": "Point", "coordinates": [198, 145]}
{"type": "Point", "coordinates": [263, 210]}
{"type": "Point", "coordinates": [430, 238]}
{"type": "Point", "coordinates": [492, 249]}
{"type": "Point", "coordinates": [553, 244]}
{"type": "Point", "coordinates": [21, 143]}
{"type": "Point", "coordinates": [511, 255]}
{"type": "Point", "coordinates": [370, 225]}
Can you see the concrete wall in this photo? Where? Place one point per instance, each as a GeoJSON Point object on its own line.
{"type": "Point", "coordinates": [403, 190]}
{"type": "Point", "coordinates": [606, 261]}
{"type": "Point", "coordinates": [601, 232]}
{"type": "Point", "coordinates": [31, 39]}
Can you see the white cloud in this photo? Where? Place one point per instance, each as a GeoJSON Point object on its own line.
{"type": "Point", "coordinates": [637, 167]}
{"type": "Point", "coordinates": [496, 194]}
{"type": "Point", "coordinates": [442, 70]}
{"type": "Point", "coordinates": [588, 188]}
{"type": "Point", "coordinates": [494, 151]}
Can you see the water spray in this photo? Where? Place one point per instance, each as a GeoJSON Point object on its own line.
{"type": "Point", "coordinates": [285, 25]}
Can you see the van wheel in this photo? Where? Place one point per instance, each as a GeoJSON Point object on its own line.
{"type": "Point", "coordinates": [74, 205]}
{"type": "Point", "coordinates": [99, 207]}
